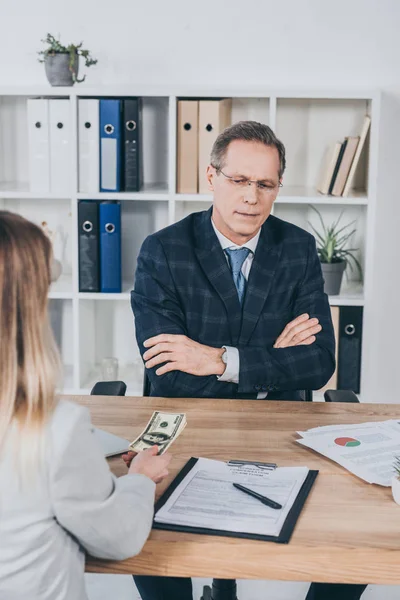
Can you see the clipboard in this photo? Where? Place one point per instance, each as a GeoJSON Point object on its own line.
{"type": "Point", "coordinates": [287, 528]}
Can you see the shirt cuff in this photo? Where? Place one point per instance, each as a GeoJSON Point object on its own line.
{"type": "Point", "coordinates": [231, 372]}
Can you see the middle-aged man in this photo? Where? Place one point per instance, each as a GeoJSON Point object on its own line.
{"type": "Point", "coordinates": [229, 303]}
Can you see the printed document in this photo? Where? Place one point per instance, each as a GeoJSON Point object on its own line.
{"type": "Point", "coordinates": [367, 450]}
{"type": "Point", "coordinates": [206, 498]}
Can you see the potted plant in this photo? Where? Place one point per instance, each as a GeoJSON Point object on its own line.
{"type": "Point", "coordinates": [333, 254]}
{"type": "Point", "coordinates": [396, 481]}
{"type": "Point", "coordinates": [61, 63]}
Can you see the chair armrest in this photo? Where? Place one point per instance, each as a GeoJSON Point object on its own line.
{"type": "Point", "coordinates": [109, 388]}
{"type": "Point", "coordinates": [340, 396]}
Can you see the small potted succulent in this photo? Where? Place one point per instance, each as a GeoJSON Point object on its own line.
{"type": "Point", "coordinates": [333, 254]}
{"type": "Point", "coordinates": [396, 480]}
{"type": "Point", "coordinates": [61, 63]}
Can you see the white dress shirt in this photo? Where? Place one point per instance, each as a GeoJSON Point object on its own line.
{"type": "Point", "coordinates": [232, 369]}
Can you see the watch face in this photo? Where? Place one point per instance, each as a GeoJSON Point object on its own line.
{"type": "Point", "coordinates": [225, 357]}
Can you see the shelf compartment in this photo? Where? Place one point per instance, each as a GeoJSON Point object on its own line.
{"type": "Point", "coordinates": [106, 329]}
{"type": "Point", "coordinates": [62, 288]}
{"type": "Point", "coordinates": [309, 127]}
{"type": "Point", "coordinates": [150, 192]}
{"type": "Point", "coordinates": [61, 321]}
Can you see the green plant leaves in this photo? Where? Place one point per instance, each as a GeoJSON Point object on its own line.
{"type": "Point", "coordinates": [55, 47]}
{"type": "Point", "coordinates": [331, 246]}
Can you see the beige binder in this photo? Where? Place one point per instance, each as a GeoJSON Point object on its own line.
{"type": "Point", "coordinates": [214, 116]}
{"type": "Point", "coordinates": [332, 383]}
{"type": "Point", "coordinates": [187, 152]}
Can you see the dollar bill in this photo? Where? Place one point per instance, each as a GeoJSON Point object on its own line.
{"type": "Point", "coordinates": [162, 430]}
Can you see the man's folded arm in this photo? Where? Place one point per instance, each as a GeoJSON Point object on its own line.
{"type": "Point", "coordinates": [298, 367]}
{"type": "Point", "coordinates": [157, 310]}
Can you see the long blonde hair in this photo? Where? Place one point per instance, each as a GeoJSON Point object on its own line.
{"type": "Point", "coordinates": [29, 359]}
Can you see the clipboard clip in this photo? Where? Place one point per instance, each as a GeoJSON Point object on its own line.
{"type": "Point", "coordinates": [253, 463]}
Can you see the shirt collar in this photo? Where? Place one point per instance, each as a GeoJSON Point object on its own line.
{"type": "Point", "coordinates": [227, 243]}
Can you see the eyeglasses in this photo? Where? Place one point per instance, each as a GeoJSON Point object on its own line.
{"type": "Point", "coordinates": [243, 182]}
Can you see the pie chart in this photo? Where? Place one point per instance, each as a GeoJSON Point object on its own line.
{"type": "Point", "coordinates": [346, 441]}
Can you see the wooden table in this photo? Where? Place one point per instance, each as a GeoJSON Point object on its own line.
{"type": "Point", "coordinates": [349, 530]}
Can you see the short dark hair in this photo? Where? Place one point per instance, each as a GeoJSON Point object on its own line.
{"type": "Point", "coordinates": [249, 131]}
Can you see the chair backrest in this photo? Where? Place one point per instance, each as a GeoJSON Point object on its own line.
{"type": "Point", "coordinates": [146, 384]}
{"type": "Point", "coordinates": [109, 388]}
{"type": "Point", "coordinates": [306, 395]}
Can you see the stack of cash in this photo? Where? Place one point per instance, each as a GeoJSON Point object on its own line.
{"type": "Point", "coordinates": [162, 430]}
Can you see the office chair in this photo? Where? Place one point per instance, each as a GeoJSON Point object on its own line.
{"type": "Point", "coordinates": [221, 589]}
{"type": "Point", "coordinates": [109, 388]}
{"type": "Point", "coordinates": [307, 394]}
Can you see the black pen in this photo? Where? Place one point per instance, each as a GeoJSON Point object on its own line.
{"type": "Point", "coordinates": [263, 499]}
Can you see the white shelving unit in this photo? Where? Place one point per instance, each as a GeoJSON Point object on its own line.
{"type": "Point", "coordinates": [92, 326]}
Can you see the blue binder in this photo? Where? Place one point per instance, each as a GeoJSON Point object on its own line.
{"type": "Point", "coordinates": [110, 247]}
{"type": "Point", "coordinates": [110, 145]}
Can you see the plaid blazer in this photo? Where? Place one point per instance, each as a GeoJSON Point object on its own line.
{"type": "Point", "coordinates": [183, 285]}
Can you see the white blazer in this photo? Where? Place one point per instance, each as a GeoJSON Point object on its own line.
{"type": "Point", "coordinates": [76, 505]}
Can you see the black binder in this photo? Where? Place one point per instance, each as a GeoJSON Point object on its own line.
{"type": "Point", "coordinates": [286, 531]}
{"type": "Point", "coordinates": [132, 143]}
{"type": "Point", "coordinates": [349, 351]}
{"type": "Point", "coordinates": [88, 241]}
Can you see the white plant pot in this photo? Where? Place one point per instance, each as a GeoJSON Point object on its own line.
{"type": "Point", "coordinates": [396, 489]}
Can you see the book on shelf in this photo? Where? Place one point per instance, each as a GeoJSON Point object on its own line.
{"type": "Point", "coordinates": [337, 166]}
{"type": "Point", "coordinates": [329, 168]}
{"type": "Point", "coordinates": [345, 165]}
{"type": "Point", "coordinates": [341, 163]}
{"type": "Point", "coordinates": [361, 144]}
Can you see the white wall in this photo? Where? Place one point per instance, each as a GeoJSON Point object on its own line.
{"type": "Point", "coordinates": [296, 42]}
{"type": "Point", "coordinates": [268, 42]}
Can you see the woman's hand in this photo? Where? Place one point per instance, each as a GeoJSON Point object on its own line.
{"type": "Point", "coordinates": [148, 463]}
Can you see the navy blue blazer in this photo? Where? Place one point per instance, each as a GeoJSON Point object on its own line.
{"type": "Point", "coordinates": [183, 285]}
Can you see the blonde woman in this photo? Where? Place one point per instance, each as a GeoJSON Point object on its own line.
{"type": "Point", "coordinates": [57, 495]}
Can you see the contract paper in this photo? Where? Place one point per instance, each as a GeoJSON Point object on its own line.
{"type": "Point", "coordinates": [368, 450]}
{"type": "Point", "coordinates": [206, 498]}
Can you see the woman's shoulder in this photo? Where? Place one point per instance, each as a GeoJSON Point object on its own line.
{"type": "Point", "coordinates": [66, 419]}
{"type": "Point", "coordinates": [69, 412]}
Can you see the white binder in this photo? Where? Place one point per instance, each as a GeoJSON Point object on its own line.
{"type": "Point", "coordinates": [39, 148]}
{"type": "Point", "coordinates": [60, 146]}
{"type": "Point", "coordinates": [88, 131]}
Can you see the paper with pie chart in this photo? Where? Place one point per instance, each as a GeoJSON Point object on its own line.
{"type": "Point", "coordinates": [367, 450]}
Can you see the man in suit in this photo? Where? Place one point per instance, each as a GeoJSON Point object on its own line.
{"type": "Point", "coordinates": [229, 303]}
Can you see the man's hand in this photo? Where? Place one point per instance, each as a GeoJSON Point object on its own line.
{"type": "Point", "coordinates": [180, 353]}
{"type": "Point", "coordinates": [299, 332]}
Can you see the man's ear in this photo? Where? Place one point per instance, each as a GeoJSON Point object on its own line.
{"type": "Point", "coordinates": [210, 174]}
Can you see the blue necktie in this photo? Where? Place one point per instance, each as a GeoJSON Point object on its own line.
{"type": "Point", "coordinates": [236, 259]}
